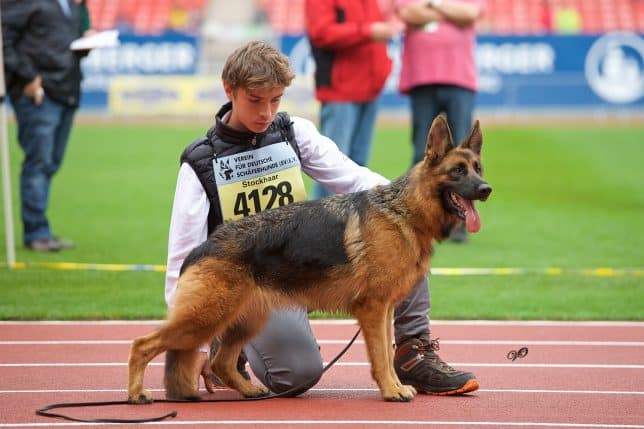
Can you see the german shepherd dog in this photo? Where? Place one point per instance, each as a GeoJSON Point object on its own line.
{"type": "Point", "coordinates": [360, 253]}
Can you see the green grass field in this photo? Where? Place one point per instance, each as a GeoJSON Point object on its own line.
{"type": "Point", "coordinates": [564, 196]}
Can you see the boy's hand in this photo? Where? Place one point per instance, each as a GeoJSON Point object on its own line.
{"type": "Point", "coordinates": [206, 372]}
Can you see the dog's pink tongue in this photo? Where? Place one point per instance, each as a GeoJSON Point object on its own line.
{"type": "Point", "coordinates": [472, 218]}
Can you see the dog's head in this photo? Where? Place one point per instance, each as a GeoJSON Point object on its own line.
{"type": "Point", "coordinates": [457, 171]}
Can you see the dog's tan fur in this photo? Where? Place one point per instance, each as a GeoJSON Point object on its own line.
{"type": "Point", "coordinates": [277, 259]}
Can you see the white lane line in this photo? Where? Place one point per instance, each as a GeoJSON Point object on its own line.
{"type": "Point", "coordinates": [546, 323]}
{"type": "Point", "coordinates": [342, 342]}
{"type": "Point", "coordinates": [65, 342]}
{"type": "Point", "coordinates": [335, 423]}
{"type": "Point", "coordinates": [546, 343]}
{"type": "Point", "coordinates": [520, 365]}
{"type": "Point", "coordinates": [348, 322]}
{"type": "Point", "coordinates": [466, 364]}
{"type": "Point", "coordinates": [343, 389]}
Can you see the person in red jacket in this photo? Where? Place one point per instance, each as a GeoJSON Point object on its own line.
{"type": "Point", "coordinates": [349, 44]}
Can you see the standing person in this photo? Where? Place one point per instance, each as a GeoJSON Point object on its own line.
{"type": "Point", "coordinates": [438, 70]}
{"type": "Point", "coordinates": [223, 176]}
{"type": "Point", "coordinates": [349, 43]}
{"type": "Point", "coordinates": [43, 82]}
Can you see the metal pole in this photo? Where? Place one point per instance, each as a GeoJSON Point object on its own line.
{"type": "Point", "coordinates": [6, 172]}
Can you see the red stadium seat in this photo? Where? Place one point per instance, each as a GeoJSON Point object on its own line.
{"type": "Point", "coordinates": [144, 16]}
{"type": "Point", "coordinates": [287, 16]}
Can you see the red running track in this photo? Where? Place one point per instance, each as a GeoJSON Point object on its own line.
{"type": "Point", "coordinates": [576, 375]}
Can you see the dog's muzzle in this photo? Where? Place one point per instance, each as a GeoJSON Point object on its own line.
{"type": "Point", "coordinates": [484, 190]}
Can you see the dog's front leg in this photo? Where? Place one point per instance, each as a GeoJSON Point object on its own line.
{"type": "Point", "coordinates": [375, 322]}
{"type": "Point", "coordinates": [390, 348]}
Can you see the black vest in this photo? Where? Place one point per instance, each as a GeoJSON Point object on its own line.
{"type": "Point", "coordinates": [222, 140]}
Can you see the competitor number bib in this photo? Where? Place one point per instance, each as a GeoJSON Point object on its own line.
{"type": "Point", "coordinates": [257, 180]}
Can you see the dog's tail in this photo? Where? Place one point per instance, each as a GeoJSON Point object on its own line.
{"type": "Point", "coordinates": [181, 380]}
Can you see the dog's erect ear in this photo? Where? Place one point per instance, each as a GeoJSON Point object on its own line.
{"type": "Point", "coordinates": [439, 140]}
{"type": "Point", "coordinates": [475, 140]}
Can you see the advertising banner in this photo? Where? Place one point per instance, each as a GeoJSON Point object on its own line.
{"type": "Point", "coordinates": [575, 73]}
{"type": "Point", "coordinates": [169, 54]}
{"type": "Point", "coordinates": [579, 72]}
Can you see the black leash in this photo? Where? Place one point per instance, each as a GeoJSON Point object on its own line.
{"type": "Point", "coordinates": [45, 411]}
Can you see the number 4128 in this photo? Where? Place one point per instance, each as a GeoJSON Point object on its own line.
{"type": "Point", "coordinates": [247, 204]}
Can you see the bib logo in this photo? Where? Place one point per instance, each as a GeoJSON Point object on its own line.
{"type": "Point", "coordinates": [225, 172]}
{"type": "Point", "coordinates": [615, 67]}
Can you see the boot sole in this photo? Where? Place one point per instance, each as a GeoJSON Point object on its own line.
{"type": "Point", "coordinates": [469, 386]}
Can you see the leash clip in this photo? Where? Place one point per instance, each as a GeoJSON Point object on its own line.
{"type": "Point", "coordinates": [514, 354]}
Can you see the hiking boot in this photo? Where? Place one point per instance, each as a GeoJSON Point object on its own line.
{"type": "Point", "coordinates": [417, 364]}
{"type": "Point", "coordinates": [241, 365]}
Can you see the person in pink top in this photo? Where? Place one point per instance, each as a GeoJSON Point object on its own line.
{"type": "Point", "coordinates": [438, 71]}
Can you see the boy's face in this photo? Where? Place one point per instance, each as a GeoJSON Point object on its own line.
{"type": "Point", "coordinates": [253, 109]}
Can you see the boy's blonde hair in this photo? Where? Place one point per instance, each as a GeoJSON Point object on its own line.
{"type": "Point", "coordinates": [257, 65]}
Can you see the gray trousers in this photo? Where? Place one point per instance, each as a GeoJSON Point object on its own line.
{"type": "Point", "coordinates": [286, 354]}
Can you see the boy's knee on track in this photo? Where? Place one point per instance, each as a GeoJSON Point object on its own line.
{"type": "Point", "coordinates": [300, 377]}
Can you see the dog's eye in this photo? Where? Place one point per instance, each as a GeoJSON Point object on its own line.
{"type": "Point", "coordinates": [477, 168]}
{"type": "Point", "coordinates": [458, 171]}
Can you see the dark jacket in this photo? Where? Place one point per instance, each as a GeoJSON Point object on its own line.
{"type": "Point", "coordinates": [37, 35]}
{"type": "Point", "coordinates": [222, 140]}
{"type": "Point", "coordinates": [350, 65]}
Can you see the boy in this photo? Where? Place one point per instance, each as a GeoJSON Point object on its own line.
{"type": "Point", "coordinates": [251, 160]}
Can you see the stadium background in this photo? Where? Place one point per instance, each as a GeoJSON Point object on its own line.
{"type": "Point", "coordinates": [587, 59]}
{"type": "Point", "coordinates": [562, 236]}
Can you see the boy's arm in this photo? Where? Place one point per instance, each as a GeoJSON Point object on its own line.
{"type": "Point", "coordinates": [188, 225]}
{"type": "Point", "coordinates": [325, 163]}
{"type": "Point", "coordinates": [188, 229]}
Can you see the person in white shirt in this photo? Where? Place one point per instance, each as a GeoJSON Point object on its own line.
{"type": "Point", "coordinates": [250, 160]}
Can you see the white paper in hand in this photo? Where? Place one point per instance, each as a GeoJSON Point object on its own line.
{"type": "Point", "coordinates": [103, 39]}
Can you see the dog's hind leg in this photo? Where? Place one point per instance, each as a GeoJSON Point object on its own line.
{"type": "Point", "coordinates": [224, 364]}
{"type": "Point", "coordinates": [210, 296]}
{"type": "Point", "coordinates": [374, 322]}
{"type": "Point", "coordinates": [205, 303]}
{"type": "Point", "coordinates": [143, 350]}
{"type": "Point", "coordinates": [179, 378]}
{"type": "Point", "coordinates": [173, 335]}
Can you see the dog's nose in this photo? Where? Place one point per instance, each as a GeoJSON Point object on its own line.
{"type": "Point", "coordinates": [484, 191]}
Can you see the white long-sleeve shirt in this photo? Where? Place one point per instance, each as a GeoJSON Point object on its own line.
{"type": "Point", "coordinates": [320, 159]}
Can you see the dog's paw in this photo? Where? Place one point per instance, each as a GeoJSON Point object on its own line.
{"type": "Point", "coordinates": [400, 394]}
{"type": "Point", "coordinates": [255, 392]}
{"type": "Point", "coordinates": [143, 397]}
